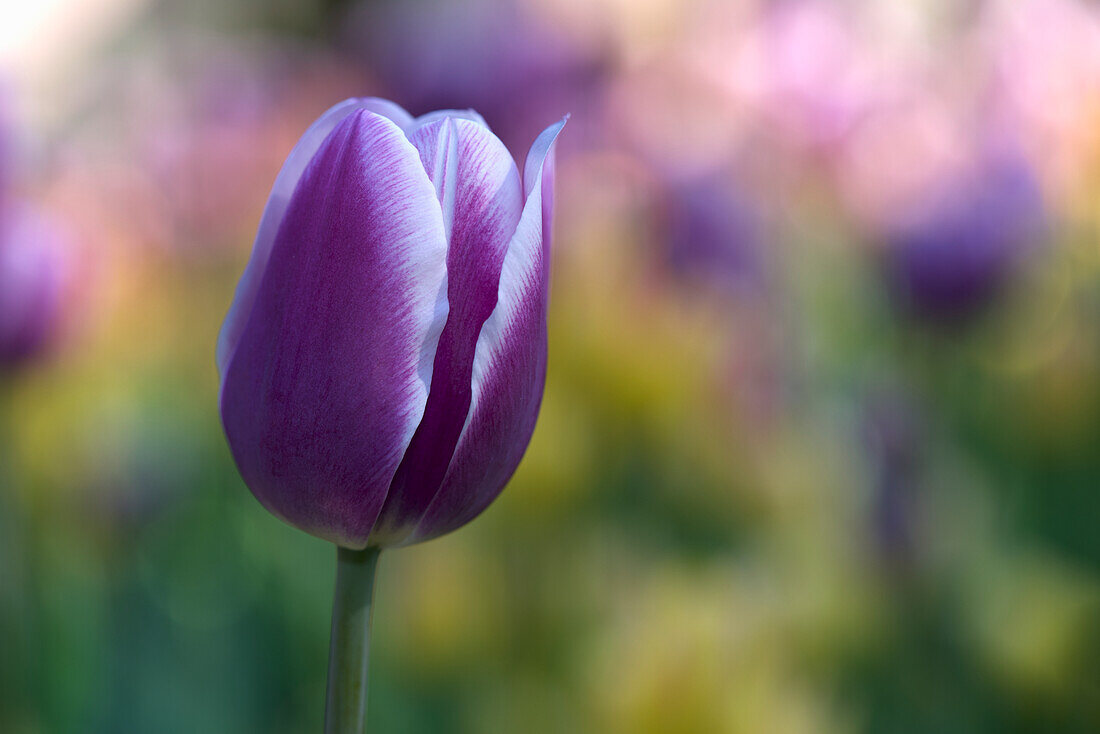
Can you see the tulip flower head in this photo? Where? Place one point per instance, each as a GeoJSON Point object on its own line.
{"type": "Point", "coordinates": [954, 251]}
{"type": "Point", "coordinates": [714, 235]}
{"type": "Point", "coordinates": [384, 358]}
{"type": "Point", "coordinates": [34, 279]}
{"type": "Point", "coordinates": [35, 266]}
{"type": "Point", "coordinates": [494, 55]}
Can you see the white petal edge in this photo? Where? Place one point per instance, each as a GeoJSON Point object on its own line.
{"type": "Point", "coordinates": [524, 268]}
{"type": "Point", "coordinates": [521, 266]}
{"type": "Point", "coordinates": [445, 175]}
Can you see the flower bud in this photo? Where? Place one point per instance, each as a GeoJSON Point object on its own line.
{"type": "Point", "coordinates": [34, 273]}
{"type": "Point", "coordinates": [384, 358]}
{"type": "Point", "coordinates": [952, 252]}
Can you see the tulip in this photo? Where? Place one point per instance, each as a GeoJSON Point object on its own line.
{"type": "Point", "coordinates": [714, 235]}
{"type": "Point", "coordinates": [36, 262]}
{"type": "Point", "coordinates": [950, 253]}
{"type": "Point", "coordinates": [384, 358]}
{"type": "Point", "coordinates": [33, 277]}
{"type": "Point", "coordinates": [494, 55]}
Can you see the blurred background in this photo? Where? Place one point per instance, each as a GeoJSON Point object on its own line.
{"type": "Point", "coordinates": [820, 447]}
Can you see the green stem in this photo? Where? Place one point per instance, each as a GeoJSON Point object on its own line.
{"type": "Point", "coordinates": [349, 650]}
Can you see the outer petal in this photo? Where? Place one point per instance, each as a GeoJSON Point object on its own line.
{"type": "Point", "coordinates": [479, 188]}
{"type": "Point", "coordinates": [277, 203]}
{"type": "Point", "coordinates": [509, 369]}
{"type": "Point", "coordinates": [329, 379]}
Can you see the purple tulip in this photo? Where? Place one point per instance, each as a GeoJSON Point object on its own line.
{"type": "Point", "coordinates": [490, 54]}
{"type": "Point", "coordinates": [956, 249]}
{"type": "Point", "coordinates": [34, 265]}
{"type": "Point", "coordinates": [33, 275]}
{"type": "Point", "coordinates": [383, 361]}
{"type": "Point", "coordinates": [714, 235]}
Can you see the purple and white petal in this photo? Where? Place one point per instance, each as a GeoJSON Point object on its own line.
{"type": "Point", "coordinates": [330, 372]}
{"type": "Point", "coordinates": [479, 189]}
{"type": "Point", "coordinates": [276, 207]}
{"type": "Point", "coordinates": [430, 117]}
{"type": "Point", "coordinates": [509, 369]}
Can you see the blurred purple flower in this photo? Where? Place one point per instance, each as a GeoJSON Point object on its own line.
{"type": "Point", "coordinates": [485, 54]}
{"type": "Point", "coordinates": [956, 247]}
{"type": "Point", "coordinates": [33, 274]}
{"type": "Point", "coordinates": [714, 234]}
{"type": "Point", "coordinates": [383, 361]}
{"type": "Point", "coordinates": [5, 152]}
{"type": "Point", "coordinates": [34, 266]}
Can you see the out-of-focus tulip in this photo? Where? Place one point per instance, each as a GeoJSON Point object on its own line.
{"type": "Point", "coordinates": [952, 250]}
{"type": "Point", "coordinates": [714, 234]}
{"type": "Point", "coordinates": [487, 54]}
{"type": "Point", "coordinates": [33, 275]}
{"type": "Point", "coordinates": [384, 358]}
{"type": "Point", "coordinates": [34, 266]}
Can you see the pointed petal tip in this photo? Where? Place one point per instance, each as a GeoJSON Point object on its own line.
{"type": "Point", "coordinates": [547, 137]}
{"type": "Point", "coordinates": [540, 150]}
{"type": "Point", "coordinates": [467, 114]}
{"type": "Point", "coordinates": [384, 107]}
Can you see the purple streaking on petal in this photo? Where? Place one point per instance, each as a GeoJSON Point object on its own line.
{"type": "Point", "coordinates": [276, 207]}
{"type": "Point", "coordinates": [509, 370]}
{"type": "Point", "coordinates": [479, 188]}
{"type": "Point", "coordinates": [441, 114]}
{"type": "Point", "coordinates": [329, 375]}
{"type": "Point", "coordinates": [384, 360]}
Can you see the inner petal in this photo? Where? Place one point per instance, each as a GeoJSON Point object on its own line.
{"type": "Point", "coordinates": [479, 189]}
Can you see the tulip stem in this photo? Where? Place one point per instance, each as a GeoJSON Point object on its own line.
{"type": "Point", "coordinates": [349, 649]}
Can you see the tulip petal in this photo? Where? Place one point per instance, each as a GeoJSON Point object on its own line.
{"type": "Point", "coordinates": [277, 203]}
{"type": "Point", "coordinates": [331, 373]}
{"type": "Point", "coordinates": [430, 117]}
{"type": "Point", "coordinates": [509, 369]}
{"type": "Point", "coordinates": [479, 188]}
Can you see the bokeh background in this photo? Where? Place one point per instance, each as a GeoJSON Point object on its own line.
{"type": "Point", "coordinates": [820, 447]}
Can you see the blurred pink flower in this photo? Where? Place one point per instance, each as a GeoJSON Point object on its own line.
{"type": "Point", "coordinates": [211, 148]}
{"type": "Point", "coordinates": [805, 69]}
{"type": "Point", "coordinates": [184, 145]}
{"type": "Point", "coordinates": [1046, 78]}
